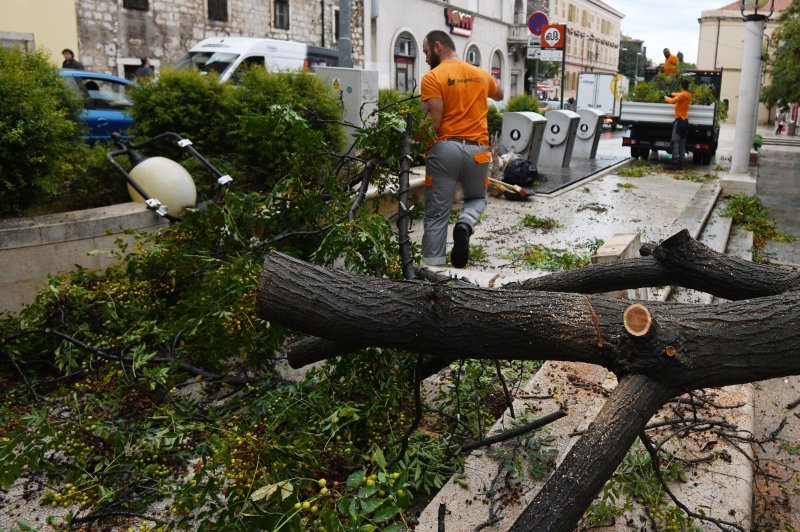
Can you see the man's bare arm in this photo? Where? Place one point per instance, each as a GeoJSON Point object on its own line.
{"type": "Point", "coordinates": [434, 108]}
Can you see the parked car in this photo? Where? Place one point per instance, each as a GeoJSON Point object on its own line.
{"type": "Point", "coordinates": [106, 100]}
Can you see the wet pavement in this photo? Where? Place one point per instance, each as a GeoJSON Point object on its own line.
{"type": "Point", "coordinates": [778, 186]}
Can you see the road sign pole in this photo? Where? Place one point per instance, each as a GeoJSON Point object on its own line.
{"type": "Point", "coordinates": [563, 65]}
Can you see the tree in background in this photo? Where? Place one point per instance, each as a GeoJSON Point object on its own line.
{"type": "Point", "coordinates": [785, 63]}
{"type": "Point", "coordinates": [627, 57]}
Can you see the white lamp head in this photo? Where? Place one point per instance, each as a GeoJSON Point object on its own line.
{"type": "Point", "coordinates": [165, 180]}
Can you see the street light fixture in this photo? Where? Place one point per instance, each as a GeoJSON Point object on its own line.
{"type": "Point", "coordinates": [749, 82]}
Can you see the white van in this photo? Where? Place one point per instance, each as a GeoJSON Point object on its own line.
{"type": "Point", "coordinates": [229, 56]}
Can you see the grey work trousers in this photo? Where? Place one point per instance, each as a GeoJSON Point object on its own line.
{"type": "Point", "coordinates": [680, 129]}
{"type": "Point", "coordinates": [450, 162]}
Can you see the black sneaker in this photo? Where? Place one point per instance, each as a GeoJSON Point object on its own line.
{"type": "Point", "coordinates": [460, 254]}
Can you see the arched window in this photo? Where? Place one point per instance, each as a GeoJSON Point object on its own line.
{"type": "Point", "coordinates": [405, 57]}
{"type": "Point", "coordinates": [473, 56]}
{"type": "Point", "coordinates": [497, 66]}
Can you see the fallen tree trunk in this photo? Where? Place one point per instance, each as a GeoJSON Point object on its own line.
{"type": "Point", "coordinates": [657, 350]}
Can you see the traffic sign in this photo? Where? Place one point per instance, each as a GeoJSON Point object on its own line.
{"type": "Point", "coordinates": [534, 52]}
{"type": "Point", "coordinates": [536, 22]}
{"type": "Point", "coordinates": [551, 54]}
{"type": "Point", "coordinates": [553, 36]}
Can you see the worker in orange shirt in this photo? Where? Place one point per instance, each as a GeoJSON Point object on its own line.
{"type": "Point", "coordinates": [454, 94]}
{"type": "Point", "coordinates": [680, 127]}
{"type": "Point", "coordinates": [670, 63]}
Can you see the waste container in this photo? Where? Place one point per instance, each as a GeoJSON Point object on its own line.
{"type": "Point", "coordinates": [587, 137]}
{"type": "Point", "coordinates": [559, 138]}
{"type": "Point", "coordinates": [522, 134]}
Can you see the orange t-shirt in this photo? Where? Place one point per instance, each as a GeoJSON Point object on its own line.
{"type": "Point", "coordinates": [463, 89]}
{"type": "Point", "coordinates": [671, 65]}
{"type": "Point", "coordinates": [681, 100]}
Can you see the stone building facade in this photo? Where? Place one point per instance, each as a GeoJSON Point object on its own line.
{"type": "Point", "coordinates": [114, 34]}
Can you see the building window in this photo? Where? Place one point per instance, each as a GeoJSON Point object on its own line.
{"type": "Point", "coordinates": [218, 10]}
{"type": "Point", "coordinates": [282, 14]}
{"type": "Point", "coordinates": [405, 58]}
{"type": "Point", "coordinates": [23, 41]}
{"type": "Point", "coordinates": [336, 26]}
{"type": "Point", "coordinates": [136, 4]}
{"type": "Point", "coordinates": [474, 56]}
{"type": "Point", "coordinates": [514, 83]}
{"type": "Point", "coordinates": [497, 67]}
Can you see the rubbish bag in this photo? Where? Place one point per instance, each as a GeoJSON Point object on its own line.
{"type": "Point", "coordinates": [521, 172]}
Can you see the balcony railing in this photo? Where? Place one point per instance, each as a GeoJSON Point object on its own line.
{"type": "Point", "coordinates": [518, 34]}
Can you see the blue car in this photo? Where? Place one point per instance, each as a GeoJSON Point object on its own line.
{"type": "Point", "coordinates": [106, 100]}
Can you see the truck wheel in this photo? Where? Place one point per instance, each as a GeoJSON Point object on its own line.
{"type": "Point", "coordinates": [697, 158]}
{"type": "Point", "coordinates": [652, 154]}
{"type": "Point", "coordinates": [706, 157]}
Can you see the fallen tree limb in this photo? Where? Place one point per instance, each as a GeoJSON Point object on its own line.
{"type": "Point", "coordinates": [657, 351]}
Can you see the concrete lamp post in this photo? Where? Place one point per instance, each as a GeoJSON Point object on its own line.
{"type": "Point", "coordinates": [755, 15]}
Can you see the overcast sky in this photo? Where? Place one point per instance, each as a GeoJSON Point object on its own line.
{"type": "Point", "coordinates": [665, 24]}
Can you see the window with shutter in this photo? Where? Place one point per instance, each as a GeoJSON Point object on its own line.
{"type": "Point", "coordinates": [282, 14]}
{"type": "Point", "coordinates": [218, 10]}
{"type": "Point", "coordinates": [142, 5]}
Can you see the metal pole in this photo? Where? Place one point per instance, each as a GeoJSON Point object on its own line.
{"type": "Point", "coordinates": [403, 212]}
{"type": "Point", "coordinates": [345, 44]}
{"type": "Point", "coordinates": [563, 66]}
{"type": "Point", "coordinates": [748, 94]}
{"type": "Point", "coordinates": [636, 68]}
{"type": "Point", "coordinates": [536, 78]}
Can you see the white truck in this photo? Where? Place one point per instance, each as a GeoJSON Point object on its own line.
{"type": "Point", "coordinates": [229, 56]}
{"type": "Point", "coordinates": [651, 129]}
{"type": "Point", "coordinates": [604, 92]}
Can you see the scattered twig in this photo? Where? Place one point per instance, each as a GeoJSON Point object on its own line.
{"type": "Point", "coordinates": [513, 433]}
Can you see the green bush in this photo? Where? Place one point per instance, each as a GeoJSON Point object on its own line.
{"type": "Point", "coordinates": [523, 102]}
{"type": "Point", "coordinates": [270, 126]}
{"type": "Point", "coordinates": [189, 104]}
{"type": "Point", "coordinates": [39, 145]}
{"type": "Point", "coordinates": [495, 120]}
{"type": "Point", "coordinates": [285, 121]}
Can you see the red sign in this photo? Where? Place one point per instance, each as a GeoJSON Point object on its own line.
{"type": "Point", "coordinates": [536, 22]}
{"type": "Point", "coordinates": [554, 36]}
{"type": "Point", "coordinates": [460, 22]}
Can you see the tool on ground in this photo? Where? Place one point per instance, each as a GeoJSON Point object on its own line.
{"type": "Point", "coordinates": [512, 192]}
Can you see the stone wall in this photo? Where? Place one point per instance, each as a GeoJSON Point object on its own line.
{"type": "Point", "coordinates": [111, 37]}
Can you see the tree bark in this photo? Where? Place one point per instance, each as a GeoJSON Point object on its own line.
{"type": "Point", "coordinates": [561, 502]}
{"type": "Point", "coordinates": [661, 351]}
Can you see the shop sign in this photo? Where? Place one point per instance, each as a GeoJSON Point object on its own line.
{"type": "Point", "coordinates": [459, 22]}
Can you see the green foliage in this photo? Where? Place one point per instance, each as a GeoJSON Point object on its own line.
{"type": "Point", "coordinates": [275, 123]}
{"type": "Point", "coordinates": [635, 482]}
{"type": "Point", "coordinates": [523, 102]}
{"type": "Point", "coordinates": [547, 259]}
{"type": "Point", "coordinates": [749, 213]}
{"type": "Point", "coordinates": [399, 104]}
{"type": "Point", "coordinates": [38, 131]}
{"type": "Point", "coordinates": [626, 186]}
{"type": "Point", "coordinates": [758, 140]}
{"type": "Point", "coordinates": [784, 65]}
{"type": "Point", "coordinates": [189, 104]}
{"type": "Point", "coordinates": [495, 121]}
{"type": "Point", "coordinates": [532, 454]}
{"type": "Point", "coordinates": [663, 84]}
{"type": "Point", "coordinates": [637, 168]}
{"type": "Point", "coordinates": [534, 222]}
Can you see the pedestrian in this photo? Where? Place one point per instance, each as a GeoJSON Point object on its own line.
{"type": "Point", "coordinates": [70, 61]}
{"type": "Point", "coordinates": [780, 119]}
{"type": "Point", "coordinates": [680, 127]}
{"type": "Point", "coordinates": [670, 63]}
{"type": "Point", "coordinates": [145, 70]}
{"type": "Point", "coordinates": [454, 94]}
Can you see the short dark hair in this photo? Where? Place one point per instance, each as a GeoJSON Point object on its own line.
{"type": "Point", "coordinates": [442, 38]}
{"type": "Point", "coordinates": [144, 60]}
{"type": "Point", "coordinates": [67, 51]}
{"type": "Point", "coordinates": [685, 84]}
